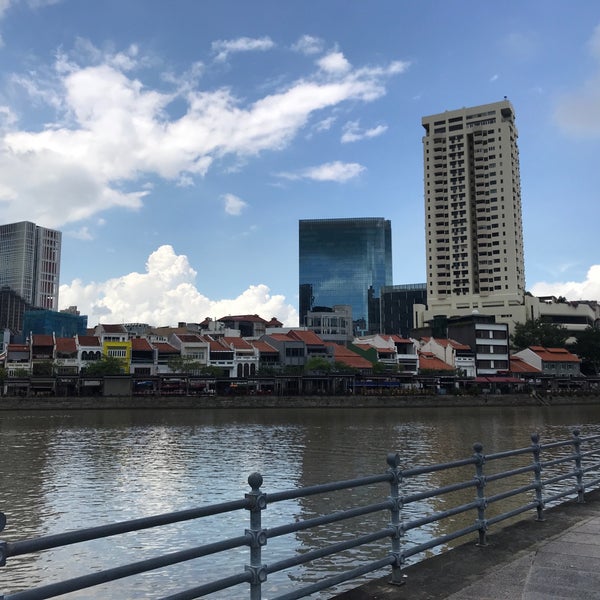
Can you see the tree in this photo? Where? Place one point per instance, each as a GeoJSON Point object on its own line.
{"type": "Point", "coordinates": [537, 332]}
{"type": "Point", "coordinates": [317, 363]}
{"type": "Point", "coordinates": [587, 347]}
{"type": "Point", "coordinates": [184, 364]}
{"type": "Point", "coordinates": [107, 365]}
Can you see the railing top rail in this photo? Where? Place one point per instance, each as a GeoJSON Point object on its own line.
{"type": "Point", "coordinates": [438, 467]}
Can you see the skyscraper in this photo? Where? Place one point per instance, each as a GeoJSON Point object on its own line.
{"type": "Point", "coordinates": [473, 226]}
{"type": "Point", "coordinates": [345, 262]}
{"type": "Point", "coordinates": [30, 262]}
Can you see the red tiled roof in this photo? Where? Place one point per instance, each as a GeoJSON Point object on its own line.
{"type": "Point", "coordinates": [18, 348]}
{"type": "Point", "coordinates": [274, 322]}
{"type": "Point", "coordinates": [165, 348]}
{"type": "Point", "coordinates": [253, 318]}
{"type": "Point", "coordinates": [88, 340]}
{"type": "Point", "coordinates": [348, 357]}
{"type": "Point", "coordinates": [189, 338]}
{"type": "Point", "coordinates": [42, 340]}
{"type": "Point", "coordinates": [113, 328]}
{"type": "Point", "coordinates": [554, 354]}
{"type": "Point", "coordinates": [66, 345]}
{"type": "Point", "coordinates": [141, 345]}
{"type": "Point", "coordinates": [263, 347]}
{"type": "Point", "coordinates": [281, 337]}
{"type": "Point", "coordinates": [430, 362]}
{"type": "Point", "coordinates": [518, 365]}
{"type": "Point", "coordinates": [308, 337]}
{"type": "Point", "coordinates": [237, 342]}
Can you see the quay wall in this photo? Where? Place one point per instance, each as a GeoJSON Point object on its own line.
{"type": "Point", "coordinates": [257, 402]}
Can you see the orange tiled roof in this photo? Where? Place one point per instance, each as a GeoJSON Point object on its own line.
{"type": "Point", "coordinates": [554, 354]}
{"type": "Point", "coordinates": [518, 365]}
{"type": "Point", "coordinates": [165, 348]}
{"type": "Point", "coordinates": [238, 343]}
{"type": "Point", "coordinates": [108, 328]}
{"type": "Point", "coordinates": [348, 357]}
{"type": "Point", "coordinates": [263, 347]}
{"type": "Point", "coordinates": [429, 361]}
{"type": "Point", "coordinates": [253, 318]}
{"type": "Point", "coordinates": [189, 338]}
{"type": "Point", "coordinates": [141, 345]}
{"type": "Point", "coordinates": [308, 337]}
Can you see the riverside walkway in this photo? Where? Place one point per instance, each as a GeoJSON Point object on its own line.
{"type": "Point", "coordinates": [556, 559]}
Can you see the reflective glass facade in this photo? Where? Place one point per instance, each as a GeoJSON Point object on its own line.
{"type": "Point", "coordinates": [345, 261]}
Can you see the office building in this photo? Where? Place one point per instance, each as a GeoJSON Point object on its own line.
{"type": "Point", "coordinates": [30, 263]}
{"type": "Point", "coordinates": [473, 226]}
{"type": "Point", "coordinates": [345, 262]}
{"type": "Point", "coordinates": [398, 307]}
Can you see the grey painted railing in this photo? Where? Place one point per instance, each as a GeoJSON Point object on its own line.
{"type": "Point", "coordinates": [557, 471]}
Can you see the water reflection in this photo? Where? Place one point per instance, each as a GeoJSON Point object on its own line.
{"type": "Point", "coordinates": [66, 470]}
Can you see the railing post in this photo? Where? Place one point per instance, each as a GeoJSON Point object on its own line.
{"type": "Point", "coordinates": [481, 501]}
{"type": "Point", "coordinates": [536, 449]}
{"type": "Point", "coordinates": [578, 470]}
{"type": "Point", "coordinates": [258, 536]}
{"type": "Point", "coordinates": [393, 460]}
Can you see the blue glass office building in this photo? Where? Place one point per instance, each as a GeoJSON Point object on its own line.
{"type": "Point", "coordinates": [345, 261]}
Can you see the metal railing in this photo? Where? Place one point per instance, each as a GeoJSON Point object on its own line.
{"type": "Point", "coordinates": [543, 473]}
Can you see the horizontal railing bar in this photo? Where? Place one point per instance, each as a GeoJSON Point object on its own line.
{"type": "Point", "coordinates": [559, 495]}
{"type": "Point", "coordinates": [306, 557]}
{"type": "Point", "coordinates": [337, 579]}
{"type": "Point", "coordinates": [439, 467]}
{"type": "Point", "coordinates": [590, 468]}
{"type": "Point", "coordinates": [507, 474]}
{"type": "Point", "coordinates": [102, 531]}
{"type": "Point", "coordinates": [558, 444]}
{"type": "Point", "coordinates": [511, 493]}
{"type": "Point", "coordinates": [107, 575]}
{"type": "Point", "coordinates": [438, 541]}
{"type": "Point", "coordinates": [558, 478]}
{"type": "Point", "coordinates": [512, 513]}
{"type": "Point", "coordinates": [210, 588]}
{"type": "Point", "coordinates": [508, 453]}
{"type": "Point", "coordinates": [457, 510]}
{"type": "Point", "coordinates": [557, 461]}
{"type": "Point", "coordinates": [591, 484]}
{"type": "Point", "coordinates": [593, 452]}
{"type": "Point", "coordinates": [327, 487]}
{"type": "Point", "coordinates": [327, 519]}
{"type": "Point", "coordinates": [438, 491]}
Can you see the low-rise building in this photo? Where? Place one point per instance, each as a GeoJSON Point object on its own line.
{"type": "Point", "coordinates": [556, 362]}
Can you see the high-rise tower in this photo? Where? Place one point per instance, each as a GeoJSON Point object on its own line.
{"type": "Point", "coordinates": [473, 226]}
{"type": "Point", "coordinates": [345, 262]}
{"type": "Point", "coordinates": [30, 262]}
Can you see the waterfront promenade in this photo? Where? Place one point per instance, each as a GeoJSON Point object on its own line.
{"type": "Point", "coordinates": [557, 559]}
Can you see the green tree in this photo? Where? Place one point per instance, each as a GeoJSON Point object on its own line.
{"type": "Point", "coordinates": [587, 347]}
{"type": "Point", "coordinates": [184, 364]}
{"type": "Point", "coordinates": [537, 332]}
{"type": "Point", "coordinates": [107, 365]}
{"type": "Point", "coordinates": [317, 363]}
{"type": "Point", "coordinates": [43, 368]}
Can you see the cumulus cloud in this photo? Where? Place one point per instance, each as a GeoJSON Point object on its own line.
{"type": "Point", "coordinates": [578, 112]}
{"type": "Point", "coordinates": [334, 171]}
{"type": "Point", "coordinates": [223, 48]}
{"type": "Point", "coordinates": [165, 294]}
{"type": "Point", "coordinates": [308, 44]}
{"type": "Point", "coordinates": [589, 289]}
{"type": "Point", "coordinates": [113, 132]}
{"type": "Point", "coordinates": [334, 62]}
{"type": "Point", "coordinates": [233, 205]}
{"type": "Point", "coordinates": [353, 132]}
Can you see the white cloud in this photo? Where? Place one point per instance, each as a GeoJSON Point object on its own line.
{"type": "Point", "coordinates": [308, 44]}
{"type": "Point", "coordinates": [223, 48]}
{"type": "Point", "coordinates": [589, 289]}
{"type": "Point", "coordinates": [82, 233]}
{"type": "Point", "coordinates": [334, 62]}
{"type": "Point", "coordinates": [233, 204]}
{"type": "Point", "coordinates": [113, 133]}
{"type": "Point", "coordinates": [353, 132]}
{"type": "Point", "coordinates": [165, 294]}
{"type": "Point", "coordinates": [333, 171]}
{"type": "Point", "coordinates": [578, 112]}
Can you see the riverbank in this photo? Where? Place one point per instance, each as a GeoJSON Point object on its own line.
{"type": "Point", "coordinates": [257, 402]}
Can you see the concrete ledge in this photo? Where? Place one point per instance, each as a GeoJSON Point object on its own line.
{"type": "Point", "coordinates": [453, 571]}
{"type": "Point", "coordinates": [237, 402]}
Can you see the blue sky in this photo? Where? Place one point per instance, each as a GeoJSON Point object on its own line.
{"type": "Point", "coordinates": [177, 144]}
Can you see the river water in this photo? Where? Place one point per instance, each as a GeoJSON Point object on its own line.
{"type": "Point", "coordinates": [65, 470]}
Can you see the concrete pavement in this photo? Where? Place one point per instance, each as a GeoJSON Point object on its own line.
{"type": "Point", "coordinates": [556, 559]}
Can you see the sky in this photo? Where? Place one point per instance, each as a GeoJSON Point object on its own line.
{"type": "Point", "coordinates": [177, 144]}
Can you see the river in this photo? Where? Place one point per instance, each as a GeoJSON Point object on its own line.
{"type": "Point", "coordinates": [68, 469]}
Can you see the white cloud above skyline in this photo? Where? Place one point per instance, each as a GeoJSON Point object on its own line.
{"type": "Point", "coordinates": [352, 132]}
{"type": "Point", "coordinates": [588, 289]}
{"type": "Point", "coordinates": [165, 294]}
{"type": "Point", "coordinates": [233, 204]}
{"type": "Point", "coordinates": [337, 171]}
{"type": "Point", "coordinates": [223, 49]}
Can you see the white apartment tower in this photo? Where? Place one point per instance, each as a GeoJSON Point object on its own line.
{"type": "Point", "coordinates": [30, 262]}
{"type": "Point", "coordinates": [474, 231]}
